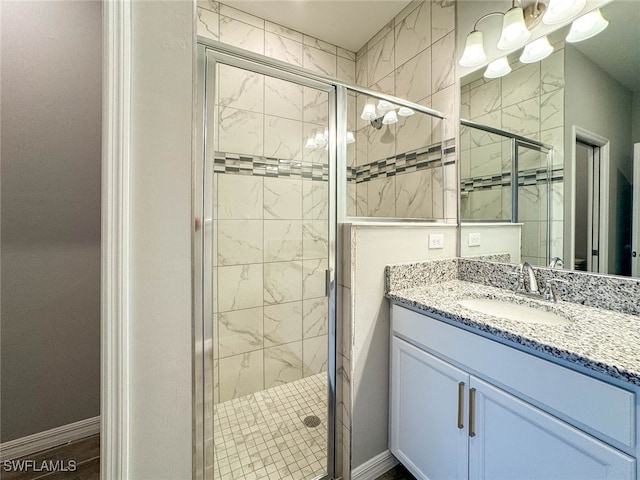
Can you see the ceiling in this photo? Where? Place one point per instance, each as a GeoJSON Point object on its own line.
{"type": "Point", "coordinates": [346, 23]}
{"type": "Point", "coordinates": [617, 49]}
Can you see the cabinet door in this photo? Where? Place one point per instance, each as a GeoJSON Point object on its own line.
{"type": "Point", "coordinates": [425, 435]}
{"type": "Point", "coordinates": [514, 440]}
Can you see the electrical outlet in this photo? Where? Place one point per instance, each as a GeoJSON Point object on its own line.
{"type": "Point", "coordinates": [474, 239]}
{"type": "Point", "coordinates": [436, 240]}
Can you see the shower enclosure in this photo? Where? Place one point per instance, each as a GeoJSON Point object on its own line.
{"type": "Point", "coordinates": [493, 161]}
{"type": "Point", "coordinates": [267, 261]}
{"type": "Point", "coordinates": [276, 169]}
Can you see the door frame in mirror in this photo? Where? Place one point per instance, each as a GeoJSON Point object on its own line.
{"type": "Point", "coordinates": [579, 134]}
{"type": "Point", "coordinates": [635, 224]}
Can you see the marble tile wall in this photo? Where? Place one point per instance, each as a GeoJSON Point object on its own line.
{"type": "Point", "coordinates": [234, 27]}
{"type": "Point", "coordinates": [271, 221]}
{"type": "Point", "coordinates": [412, 57]}
{"type": "Point", "coordinates": [528, 102]}
{"type": "Point", "coordinates": [269, 258]}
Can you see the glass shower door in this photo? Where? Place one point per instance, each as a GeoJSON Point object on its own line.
{"type": "Point", "coordinates": [268, 365]}
{"type": "Point", "coordinates": [533, 165]}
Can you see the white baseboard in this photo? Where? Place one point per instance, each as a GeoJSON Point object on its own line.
{"type": "Point", "coordinates": [373, 468]}
{"type": "Point", "coordinates": [48, 439]}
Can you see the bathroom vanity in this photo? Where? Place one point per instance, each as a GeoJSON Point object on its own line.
{"type": "Point", "coordinates": [476, 394]}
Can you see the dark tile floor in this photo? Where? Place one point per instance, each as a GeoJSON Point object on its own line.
{"type": "Point", "coordinates": [85, 453]}
{"type": "Point", "coordinates": [397, 473]}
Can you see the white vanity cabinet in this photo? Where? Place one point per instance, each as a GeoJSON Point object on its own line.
{"type": "Point", "coordinates": [457, 422]}
{"type": "Point", "coordinates": [424, 412]}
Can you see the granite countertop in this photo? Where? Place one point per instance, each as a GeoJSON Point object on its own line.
{"type": "Point", "coordinates": [601, 340]}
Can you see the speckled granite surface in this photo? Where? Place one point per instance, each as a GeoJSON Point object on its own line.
{"type": "Point", "coordinates": [602, 340]}
{"type": "Point", "coordinates": [492, 257]}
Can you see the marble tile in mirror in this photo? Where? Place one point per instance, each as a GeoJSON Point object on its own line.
{"type": "Point", "coordinates": [583, 92]}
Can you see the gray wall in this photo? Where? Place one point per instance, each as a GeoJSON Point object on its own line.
{"type": "Point", "coordinates": [598, 103]}
{"type": "Point", "coordinates": [50, 183]}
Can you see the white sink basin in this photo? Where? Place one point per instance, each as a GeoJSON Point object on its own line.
{"type": "Point", "coordinates": [513, 311]}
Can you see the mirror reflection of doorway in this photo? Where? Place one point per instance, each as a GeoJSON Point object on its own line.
{"type": "Point", "coordinates": [587, 207]}
{"type": "Point", "coordinates": [635, 236]}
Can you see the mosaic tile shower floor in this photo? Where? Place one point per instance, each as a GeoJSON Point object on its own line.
{"type": "Point", "coordinates": [262, 436]}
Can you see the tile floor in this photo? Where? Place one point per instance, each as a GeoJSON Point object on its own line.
{"type": "Point", "coordinates": [262, 436]}
{"type": "Point", "coordinates": [263, 429]}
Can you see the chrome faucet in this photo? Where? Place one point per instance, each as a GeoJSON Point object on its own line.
{"type": "Point", "coordinates": [550, 293]}
{"type": "Point", "coordinates": [526, 269]}
{"type": "Point", "coordinates": [533, 283]}
{"type": "Point", "coordinates": [556, 262]}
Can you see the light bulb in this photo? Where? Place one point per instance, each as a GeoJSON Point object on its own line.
{"type": "Point", "coordinates": [384, 106]}
{"type": "Point", "coordinates": [536, 51]}
{"type": "Point", "coordinates": [587, 26]}
{"type": "Point", "coordinates": [369, 112]}
{"type": "Point", "coordinates": [559, 11]}
{"type": "Point", "coordinates": [498, 68]}
{"type": "Point", "coordinates": [514, 30]}
{"type": "Point", "coordinates": [350, 137]}
{"type": "Point", "coordinates": [310, 143]}
{"type": "Point", "coordinates": [405, 112]}
{"type": "Point", "coordinates": [390, 118]}
{"type": "Point", "coordinates": [473, 54]}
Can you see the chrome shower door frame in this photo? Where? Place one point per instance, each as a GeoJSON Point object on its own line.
{"type": "Point", "coordinates": [209, 54]}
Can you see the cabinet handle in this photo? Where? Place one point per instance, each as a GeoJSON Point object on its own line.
{"type": "Point", "coordinates": [472, 412]}
{"type": "Point", "coordinates": [461, 405]}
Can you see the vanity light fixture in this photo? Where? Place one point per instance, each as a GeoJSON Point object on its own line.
{"type": "Point", "coordinates": [405, 112]}
{"type": "Point", "coordinates": [350, 137]}
{"type": "Point", "coordinates": [562, 10]}
{"type": "Point", "coordinates": [533, 14]}
{"type": "Point", "coordinates": [320, 140]}
{"type": "Point", "coordinates": [536, 51]}
{"type": "Point", "coordinates": [498, 68]}
{"type": "Point", "coordinates": [514, 31]}
{"type": "Point", "coordinates": [390, 118]}
{"type": "Point", "coordinates": [369, 112]}
{"type": "Point", "coordinates": [386, 113]}
{"type": "Point", "coordinates": [473, 54]}
{"type": "Point", "coordinates": [587, 26]}
{"type": "Point", "coordinates": [385, 106]}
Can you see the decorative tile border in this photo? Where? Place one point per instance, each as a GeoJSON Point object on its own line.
{"type": "Point", "coordinates": [485, 182]}
{"type": "Point", "coordinates": [525, 178]}
{"type": "Point", "coordinates": [421, 159]}
{"type": "Point", "coordinates": [449, 155]}
{"type": "Point", "coordinates": [233, 164]}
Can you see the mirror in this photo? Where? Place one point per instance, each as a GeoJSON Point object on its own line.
{"type": "Point", "coordinates": [547, 150]}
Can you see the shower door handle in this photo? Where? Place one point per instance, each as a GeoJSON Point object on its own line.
{"type": "Point", "coordinates": [327, 282]}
